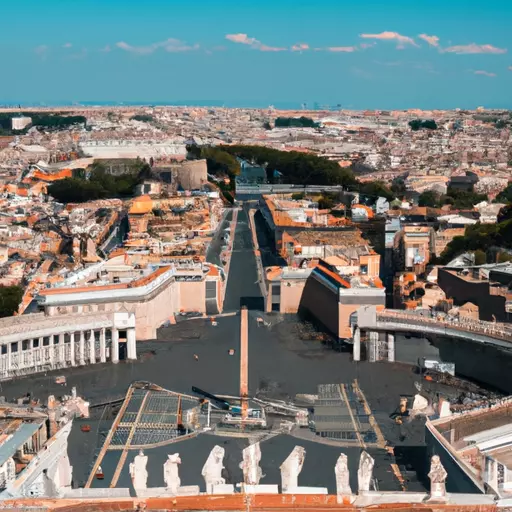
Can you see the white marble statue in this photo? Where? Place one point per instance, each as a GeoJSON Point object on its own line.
{"type": "Point", "coordinates": [171, 472]}
{"type": "Point", "coordinates": [342, 476]}
{"type": "Point", "coordinates": [212, 469]}
{"type": "Point", "coordinates": [364, 473]}
{"type": "Point", "coordinates": [250, 464]}
{"type": "Point", "coordinates": [437, 477]}
{"type": "Point", "coordinates": [291, 468]}
{"type": "Point", "coordinates": [138, 471]}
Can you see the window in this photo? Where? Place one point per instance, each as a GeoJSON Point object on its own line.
{"type": "Point", "coordinates": [14, 347]}
{"type": "Point", "coordinates": [25, 345]}
{"type": "Point", "coordinates": [4, 349]}
{"type": "Point", "coordinates": [46, 341]}
{"type": "Point", "coordinates": [36, 343]}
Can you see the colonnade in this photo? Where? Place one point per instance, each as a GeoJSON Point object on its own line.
{"type": "Point", "coordinates": [374, 342]}
{"type": "Point", "coordinates": [63, 350]}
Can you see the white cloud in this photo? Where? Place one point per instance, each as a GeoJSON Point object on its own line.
{"type": "Point", "coordinates": [242, 39]}
{"type": "Point", "coordinates": [484, 73]}
{"type": "Point", "coordinates": [170, 45]}
{"type": "Point", "coordinates": [391, 36]}
{"type": "Point", "coordinates": [431, 40]}
{"type": "Point", "coordinates": [300, 47]}
{"type": "Point", "coordinates": [474, 48]}
{"type": "Point", "coordinates": [254, 43]}
{"type": "Point", "coordinates": [341, 49]}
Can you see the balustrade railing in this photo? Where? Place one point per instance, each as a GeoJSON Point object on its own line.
{"type": "Point", "coordinates": [491, 329]}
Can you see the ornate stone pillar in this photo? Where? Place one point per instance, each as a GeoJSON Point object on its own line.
{"type": "Point", "coordinates": [103, 345]}
{"type": "Point", "coordinates": [51, 350]}
{"type": "Point", "coordinates": [72, 348]}
{"type": "Point", "coordinates": [373, 346]}
{"type": "Point", "coordinates": [115, 345]}
{"type": "Point", "coordinates": [92, 348]}
{"type": "Point", "coordinates": [391, 347]}
{"type": "Point", "coordinates": [357, 344]}
{"type": "Point", "coordinates": [62, 349]}
{"type": "Point", "coordinates": [81, 349]}
{"type": "Point", "coordinates": [9, 357]}
{"type": "Point", "coordinates": [131, 344]}
{"type": "Point", "coordinates": [41, 350]}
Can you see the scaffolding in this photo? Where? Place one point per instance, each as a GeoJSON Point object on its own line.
{"type": "Point", "coordinates": [151, 416]}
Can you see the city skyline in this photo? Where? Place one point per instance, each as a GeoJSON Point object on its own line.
{"type": "Point", "coordinates": [241, 54]}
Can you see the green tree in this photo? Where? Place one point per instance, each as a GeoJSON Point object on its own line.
{"type": "Point", "coordinates": [418, 124]}
{"type": "Point", "coordinates": [429, 198]}
{"type": "Point", "coordinates": [398, 187]}
{"type": "Point", "coordinates": [296, 122]}
{"type": "Point", "coordinates": [479, 237]}
{"type": "Point", "coordinates": [462, 199]}
{"type": "Point", "coordinates": [295, 168]}
{"type": "Point", "coordinates": [505, 196]}
{"type": "Point", "coordinates": [326, 202]}
{"type": "Point", "coordinates": [10, 298]}
{"type": "Point", "coordinates": [221, 162]}
{"type": "Point", "coordinates": [480, 257]}
{"type": "Point", "coordinates": [504, 257]}
{"type": "Point", "coordinates": [145, 118]}
{"type": "Point", "coordinates": [375, 189]}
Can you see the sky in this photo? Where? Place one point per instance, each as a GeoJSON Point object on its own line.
{"type": "Point", "coordinates": [375, 54]}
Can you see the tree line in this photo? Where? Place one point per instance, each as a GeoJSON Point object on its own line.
{"type": "Point", "coordinates": [459, 199]}
{"type": "Point", "coordinates": [480, 238]}
{"type": "Point", "coordinates": [295, 122]}
{"type": "Point", "coordinates": [419, 124]}
{"type": "Point", "coordinates": [39, 119]}
{"type": "Point", "coordinates": [100, 184]}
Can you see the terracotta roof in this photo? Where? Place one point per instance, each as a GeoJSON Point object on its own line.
{"type": "Point", "coordinates": [141, 205]}
{"type": "Point", "coordinates": [62, 174]}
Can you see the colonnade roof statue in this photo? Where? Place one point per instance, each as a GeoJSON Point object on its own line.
{"type": "Point", "coordinates": [291, 468]}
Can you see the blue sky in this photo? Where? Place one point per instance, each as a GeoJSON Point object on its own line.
{"type": "Point", "coordinates": [357, 53]}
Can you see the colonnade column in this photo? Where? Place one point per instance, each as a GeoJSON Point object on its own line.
{"type": "Point", "coordinates": [9, 355]}
{"type": "Point", "coordinates": [62, 349]}
{"type": "Point", "coordinates": [41, 349]}
{"type": "Point", "coordinates": [92, 348]}
{"type": "Point", "coordinates": [51, 350]}
{"type": "Point", "coordinates": [131, 344]}
{"type": "Point", "coordinates": [357, 344]}
{"type": "Point", "coordinates": [373, 346]}
{"type": "Point", "coordinates": [103, 346]}
{"type": "Point", "coordinates": [72, 348]}
{"type": "Point", "coordinates": [115, 345]}
{"type": "Point", "coordinates": [31, 352]}
{"type": "Point", "coordinates": [81, 353]}
{"type": "Point", "coordinates": [391, 347]}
